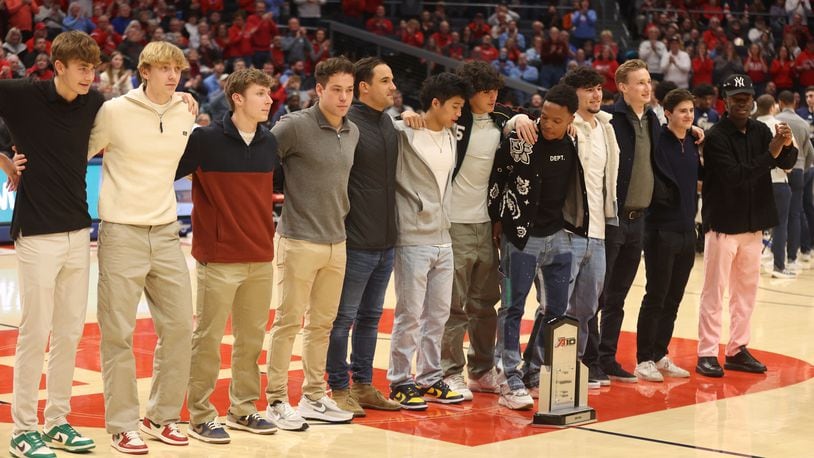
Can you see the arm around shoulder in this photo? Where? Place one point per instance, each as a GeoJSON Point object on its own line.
{"type": "Point", "coordinates": [100, 134]}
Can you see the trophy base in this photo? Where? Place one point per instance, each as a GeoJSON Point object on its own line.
{"type": "Point", "coordinates": [564, 418]}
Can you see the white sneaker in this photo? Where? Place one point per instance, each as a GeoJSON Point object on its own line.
{"type": "Point", "coordinates": [805, 257]}
{"type": "Point", "coordinates": [323, 409]}
{"type": "Point", "coordinates": [486, 383]}
{"type": "Point", "coordinates": [667, 367]}
{"type": "Point", "coordinates": [646, 370]}
{"type": "Point", "coordinates": [515, 399]}
{"type": "Point", "coordinates": [457, 384]}
{"type": "Point", "coordinates": [594, 384]}
{"type": "Point", "coordinates": [785, 274]}
{"type": "Point", "coordinates": [794, 266]}
{"type": "Point", "coordinates": [534, 392]}
{"type": "Point", "coordinates": [285, 417]}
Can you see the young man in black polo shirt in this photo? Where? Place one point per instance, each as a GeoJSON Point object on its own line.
{"type": "Point", "coordinates": [738, 205]}
{"type": "Point", "coordinates": [51, 230]}
{"type": "Point", "coordinates": [527, 191]}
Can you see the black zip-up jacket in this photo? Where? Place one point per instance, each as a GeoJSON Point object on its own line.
{"type": "Point", "coordinates": [371, 222]}
{"type": "Point", "coordinates": [626, 138]}
{"type": "Point", "coordinates": [501, 115]}
{"type": "Point", "coordinates": [737, 191]}
{"type": "Point", "coordinates": [675, 179]}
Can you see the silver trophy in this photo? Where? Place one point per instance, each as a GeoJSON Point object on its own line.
{"type": "Point", "coordinates": [563, 378]}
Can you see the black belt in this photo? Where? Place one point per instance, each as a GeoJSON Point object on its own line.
{"type": "Point", "coordinates": [632, 215]}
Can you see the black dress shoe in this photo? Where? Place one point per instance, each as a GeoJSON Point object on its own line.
{"type": "Point", "coordinates": [709, 367]}
{"type": "Point", "coordinates": [744, 362]}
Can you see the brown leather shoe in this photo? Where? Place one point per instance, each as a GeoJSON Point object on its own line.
{"type": "Point", "coordinates": [369, 397]}
{"type": "Point", "coordinates": [345, 401]}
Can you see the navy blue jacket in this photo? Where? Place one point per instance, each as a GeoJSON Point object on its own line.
{"type": "Point", "coordinates": [626, 138]}
{"type": "Point", "coordinates": [676, 175]}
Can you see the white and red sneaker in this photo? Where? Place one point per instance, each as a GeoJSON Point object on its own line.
{"type": "Point", "coordinates": [168, 434]}
{"type": "Point", "coordinates": [129, 442]}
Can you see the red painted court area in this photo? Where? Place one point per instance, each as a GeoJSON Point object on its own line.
{"type": "Point", "coordinates": [479, 422]}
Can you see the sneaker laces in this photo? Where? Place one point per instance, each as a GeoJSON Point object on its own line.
{"type": "Point", "coordinates": [411, 391]}
{"type": "Point", "coordinates": [132, 436]}
{"type": "Point", "coordinates": [285, 410]}
{"type": "Point", "coordinates": [457, 381]}
{"type": "Point", "coordinates": [213, 425]}
{"type": "Point", "coordinates": [35, 439]}
{"type": "Point", "coordinates": [174, 429]}
{"type": "Point", "coordinates": [254, 418]}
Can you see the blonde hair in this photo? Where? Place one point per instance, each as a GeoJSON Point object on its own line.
{"type": "Point", "coordinates": [627, 68]}
{"type": "Point", "coordinates": [161, 52]}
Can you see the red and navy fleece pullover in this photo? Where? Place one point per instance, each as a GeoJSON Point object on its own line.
{"type": "Point", "coordinates": [232, 187]}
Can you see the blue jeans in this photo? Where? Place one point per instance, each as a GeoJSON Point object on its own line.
{"type": "Point", "coordinates": [552, 256]}
{"type": "Point", "coordinates": [588, 277]}
{"type": "Point", "coordinates": [796, 183]}
{"type": "Point", "coordinates": [782, 199]}
{"type": "Point", "coordinates": [367, 274]}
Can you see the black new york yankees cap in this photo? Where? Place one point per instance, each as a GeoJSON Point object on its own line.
{"type": "Point", "coordinates": [738, 84]}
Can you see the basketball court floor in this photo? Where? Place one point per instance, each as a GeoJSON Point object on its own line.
{"type": "Point", "coordinates": [739, 415]}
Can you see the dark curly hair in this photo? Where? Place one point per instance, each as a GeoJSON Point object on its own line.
{"type": "Point", "coordinates": [481, 76]}
{"type": "Point", "coordinates": [583, 78]}
{"type": "Point", "coordinates": [564, 96]}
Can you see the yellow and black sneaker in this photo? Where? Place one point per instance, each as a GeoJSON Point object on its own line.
{"type": "Point", "coordinates": [440, 392]}
{"type": "Point", "coordinates": [409, 397]}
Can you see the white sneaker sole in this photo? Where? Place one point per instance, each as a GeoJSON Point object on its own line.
{"type": "Point", "coordinates": [69, 448]}
{"type": "Point", "coordinates": [650, 378]}
{"type": "Point", "coordinates": [286, 425]}
{"type": "Point", "coordinates": [332, 417]}
{"type": "Point", "coordinates": [129, 451]}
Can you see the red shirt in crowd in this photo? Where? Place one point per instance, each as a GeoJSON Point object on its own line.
{"type": "Point", "coordinates": [805, 68]}
{"type": "Point", "coordinates": [782, 74]}
{"type": "Point", "coordinates": [379, 26]}
{"type": "Point", "coordinates": [607, 68]}
{"type": "Point", "coordinates": [415, 38]}
{"type": "Point", "coordinates": [702, 71]}
{"type": "Point", "coordinates": [756, 69]}
{"type": "Point", "coordinates": [262, 29]}
{"type": "Point", "coordinates": [239, 43]}
{"type": "Point", "coordinates": [207, 6]}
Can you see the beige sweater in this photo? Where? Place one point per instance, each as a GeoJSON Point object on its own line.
{"type": "Point", "coordinates": [143, 145]}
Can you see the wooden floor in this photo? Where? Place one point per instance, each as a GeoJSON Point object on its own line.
{"type": "Point", "coordinates": [738, 415]}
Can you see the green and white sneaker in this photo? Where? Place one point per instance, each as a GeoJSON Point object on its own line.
{"type": "Point", "coordinates": [66, 438]}
{"type": "Point", "coordinates": [29, 444]}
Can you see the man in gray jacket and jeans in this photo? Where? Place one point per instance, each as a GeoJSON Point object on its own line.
{"type": "Point", "coordinates": [423, 260]}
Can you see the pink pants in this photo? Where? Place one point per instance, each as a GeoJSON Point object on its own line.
{"type": "Point", "coordinates": [731, 260]}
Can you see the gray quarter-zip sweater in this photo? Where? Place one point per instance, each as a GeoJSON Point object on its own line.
{"type": "Point", "coordinates": [316, 162]}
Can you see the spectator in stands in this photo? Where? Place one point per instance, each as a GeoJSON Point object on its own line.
{"type": "Point", "coordinates": [295, 42]}
{"type": "Point", "coordinates": [291, 105]}
{"type": "Point", "coordinates": [39, 32]}
{"type": "Point", "coordinates": [262, 29]}
{"type": "Point", "coordinates": [702, 65]}
{"type": "Point", "coordinates": [553, 57]}
{"type": "Point", "coordinates": [705, 115]}
{"type": "Point", "coordinates": [77, 20]}
{"type": "Point", "coordinates": [676, 64]}
{"type": "Point", "coordinates": [798, 28]}
{"type": "Point", "coordinates": [309, 12]}
{"type": "Point", "coordinates": [651, 51]}
{"type": "Point", "coordinates": [51, 16]}
{"type": "Point", "coordinates": [512, 50]}
{"type": "Point", "coordinates": [502, 11]}
{"type": "Point", "coordinates": [488, 51]}
{"type": "Point", "coordinates": [238, 43]}
{"type": "Point", "coordinates": [805, 65]}
{"type": "Point", "coordinates": [398, 106]}
{"type": "Point", "coordinates": [606, 40]}
{"type": "Point", "coordinates": [583, 24]}
{"type": "Point", "coordinates": [551, 17]}
{"type": "Point", "coordinates": [277, 52]}
{"type": "Point", "coordinates": [605, 64]}
{"type": "Point", "coordinates": [209, 52]}
{"type": "Point", "coordinates": [726, 64]}
{"type": "Point", "coordinates": [218, 103]}
{"type": "Point", "coordinates": [428, 26]}
{"type": "Point", "coordinates": [41, 70]}
{"type": "Point", "coordinates": [479, 27]}
{"type": "Point", "coordinates": [320, 49]}
{"type": "Point", "coordinates": [13, 69]}
{"type": "Point", "coordinates": [132, 45]}
{"type": "Point", "coordinates": [512, 32]}
{"type": "Point", "coordinates": [442, 37]}
{"type": "Point", "coordinates": [807, 111]}
{"type": "Point", "coordinates": [714, 35]}
{"type": "Point", "coordinates": [379, 23]}
{"type": "Point", "coordinates": [211, 82]}
{"type": "Point", "coordinates": [525, 72]}
{"type": "Point", "coordinates": [105, 35]}
{"type": "Point", "coordinates": [790, 42]}
{"type": "Point", "coordinates": [455, 49]}
{"type": "Point", "coordinates": [40, 47]}
{"type": "Point", "coordinates": [534, 105]}
{"type": "Point", "coordinates": [122, 19]}
{"type": "Point", "coordinates": [503, 64]}
{"type": "Point", "coordinates": [14, 44]}
{"type": "Point", "coordinates": [757, 68]}
{"type": "Point", "coordinates": [117, 76]}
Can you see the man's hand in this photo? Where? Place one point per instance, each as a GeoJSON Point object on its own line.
{"type": "Point", "coordinates": [18, 161]}
{"type": "Point", "coordinates": [782, 137]}
{"type": "Point", "coordinates": [698, 133]}
{"type": "Point", "coordinates": [526, 129]}
{"type": "Point", "coordinates": [497, 231]}
{"type": "Point", "coordinates": [192, 104]}
{"type": "Point", "coordinates": [413, 120]}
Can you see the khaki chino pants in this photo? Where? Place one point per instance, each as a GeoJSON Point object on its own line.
{"type": "Point", "coordinates": [309, 283]}
{"type": "Point", "coordinates": [244, 290]}
{"type": "Point", "coordinates": [53, 272]}
{"type": "Point", "coordinates": [132, 260]}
